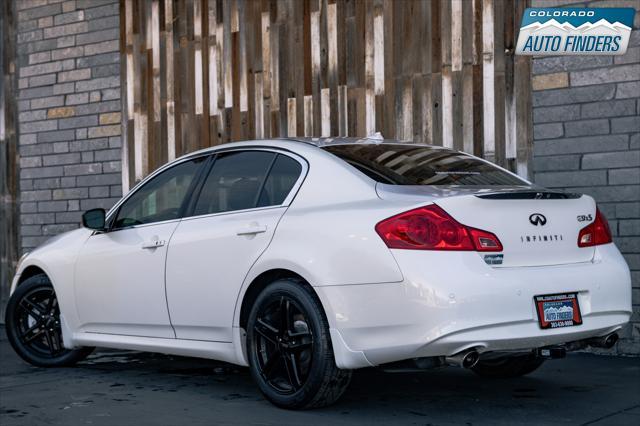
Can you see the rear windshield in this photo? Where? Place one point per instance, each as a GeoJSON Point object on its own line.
{"type": "Point", "coordinates": [398, 164]}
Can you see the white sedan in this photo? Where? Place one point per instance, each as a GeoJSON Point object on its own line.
{"type": "Point", "coordinates": [305, 259]}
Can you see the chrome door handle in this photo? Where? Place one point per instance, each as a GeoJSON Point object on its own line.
{"type": "Point", "coordinates": [153, 244]}
{"type": "Point", "coordinates": [252, 230]}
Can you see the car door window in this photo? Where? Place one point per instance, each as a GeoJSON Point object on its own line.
{"type": "Point", "coordinates": [234, 182]}
{"type": "Point", "coordinates": [161, 198]}
{"type": "Point", "coordinates": [283, 175]}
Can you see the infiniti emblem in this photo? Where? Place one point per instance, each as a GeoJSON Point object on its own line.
{"type": "Point", "coordinates": [537, 219]}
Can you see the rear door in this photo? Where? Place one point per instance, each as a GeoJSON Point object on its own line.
{"type": "Point", "coordinates": [236, 213]}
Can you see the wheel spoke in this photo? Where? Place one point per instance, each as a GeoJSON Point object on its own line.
{"type": "Point", "coordinates": [291, 365]}
{"type": "Point", "coordinates": [31, 333]}
{"type": "Point", "coordinates": [33, 309]}
{"type": "Point", "coordinates": [47, 336]}
{"type": "Point", "coordinates": [270, 366]}
{"type": "Point", "coordinates": [57, 338]}
{"type": "Point", "coordinates": [267, 331]}
{"type": "Point", "coordinates": [51, 302]}
{"type": "Point", "coordinates": [32, 328]}
{"type": "Point", "coordinates": [285, 315]}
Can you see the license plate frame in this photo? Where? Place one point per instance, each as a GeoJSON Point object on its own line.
{"type": "Point", "coordinates": [558, 310]}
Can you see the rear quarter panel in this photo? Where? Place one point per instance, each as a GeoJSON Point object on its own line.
{"type": "Point", "coordinates": [327, 235]}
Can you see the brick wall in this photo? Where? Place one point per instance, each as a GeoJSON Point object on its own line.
{"type": "Point", "coordinates": [69, 112]}
{"type": "Point", "coordinates": [586, 114]}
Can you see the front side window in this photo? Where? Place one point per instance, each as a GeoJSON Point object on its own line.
{"type": "Point", "coordinates": [398, 164]}
{"type": "Point", "coordinates": [161, 198]}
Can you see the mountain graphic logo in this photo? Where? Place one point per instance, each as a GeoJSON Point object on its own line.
{"type": "Point", "coordinates": [558, 314]}
{"type": "Point", "coordinates": [575, 31]}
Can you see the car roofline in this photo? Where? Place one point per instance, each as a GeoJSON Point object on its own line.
{"type": "Point", "coordinates": [319, 142]}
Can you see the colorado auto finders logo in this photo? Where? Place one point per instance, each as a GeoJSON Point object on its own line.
{"type": "Point", "coordinates": [575, 31]}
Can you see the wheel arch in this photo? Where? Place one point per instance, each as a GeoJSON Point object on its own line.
{"type": "Point", "coordinates": [259, 283]}
{"type": "Point", "coordinates": [27, 272]}
{"type": "Point", "coordinates": [30, 271]}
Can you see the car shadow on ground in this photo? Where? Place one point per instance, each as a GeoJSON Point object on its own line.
{"type": "Point", "coordinates": [120, 387]}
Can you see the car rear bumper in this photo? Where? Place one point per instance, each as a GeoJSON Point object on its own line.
{"type": "Point", "coordinates": [452, 301]}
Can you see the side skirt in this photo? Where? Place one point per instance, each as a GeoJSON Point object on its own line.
{"type": "Point", "coordinates": [221, 351]}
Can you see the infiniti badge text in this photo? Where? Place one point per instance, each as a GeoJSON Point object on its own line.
{"type": "Point", "coordinates": [540, 238]}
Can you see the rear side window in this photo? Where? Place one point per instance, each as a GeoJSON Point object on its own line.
{"type": "Point", "coordinates": [283, 175]}
{"type": "Point", "coordinates": [398, 164]}
{"type": "Point", "coordinates": [234, 182]}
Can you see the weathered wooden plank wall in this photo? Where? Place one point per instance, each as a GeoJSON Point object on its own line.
{"type": "Point", "coordinates": [9, 219]}
{"type": "Point", "coordinates": [204, 72]}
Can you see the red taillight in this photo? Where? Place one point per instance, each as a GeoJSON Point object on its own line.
{"type": "Point", "coordinates": [596, 233]}
{"type": "Point", "coordinates": [431, 228]}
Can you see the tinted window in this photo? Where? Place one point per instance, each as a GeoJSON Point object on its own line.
{"type": "Point", "coordinates": [398, 164]}
{"type": "Point", "coordinates": [161, 198]}
{"type": "Point", "coordinates": [282, 177]}
{"type": "Point", "coordinates": [234, 182]}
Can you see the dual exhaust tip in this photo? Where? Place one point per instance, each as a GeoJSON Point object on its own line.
{"type": "Point", "coordinates": [470, 357]}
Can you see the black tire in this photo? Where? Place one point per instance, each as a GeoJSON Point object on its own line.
{"type": "Point", "coordinates": [508, 366]}
{"type": "Point", "coordinates": [290, 356]}
{"type": "Point", "coordinates": [32, 322]}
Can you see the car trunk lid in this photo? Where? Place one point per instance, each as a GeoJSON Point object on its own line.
{"type": "Point", "coordinates": [536, 227]}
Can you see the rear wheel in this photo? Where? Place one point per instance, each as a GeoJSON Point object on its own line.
{"type": "Point", "coordinates": [508, 366]}
{"type": "Point", "coordinates": [289, 348]}
{"type": "Point", "coordinates": [33, 325]}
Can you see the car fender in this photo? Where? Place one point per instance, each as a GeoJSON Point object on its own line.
{"type": "Point", "coordinates": [56, 258]}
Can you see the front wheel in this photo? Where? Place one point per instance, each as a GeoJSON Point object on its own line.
{"type": "Point", "coordinates": [508, 366]}
{"type": "Point", "coordinates": [289, 348]}
{"type": "Point", "coordinates": [32, 322]}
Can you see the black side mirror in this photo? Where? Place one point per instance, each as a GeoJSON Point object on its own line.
{"type": "Point", "coordinates": [94, 219]}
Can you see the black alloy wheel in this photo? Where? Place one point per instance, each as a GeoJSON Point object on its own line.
{"type": "Point", "coordinates": [38, 322]}
{"type": "Point", "coordinates": [289, 348]}
{"type": "Point", "coordinates": [284, 344]}
{"type": "Point", "coordinates": [33, 325]}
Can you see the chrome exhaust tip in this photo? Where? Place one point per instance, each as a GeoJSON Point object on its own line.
{"type": "Point", "coordinates": [606, 342]}
{"type": "Point", "coordinates": [464, 359]}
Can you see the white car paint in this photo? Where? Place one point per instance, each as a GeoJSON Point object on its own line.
{"type": "Point", "coordinates": [382, 305]}
{"type": "Point", "coordinates": [124, 299]}
{"type": "Point", "coordinates": [192, 269]}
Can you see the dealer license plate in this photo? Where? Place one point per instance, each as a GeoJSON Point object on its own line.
{"type": "Point", "coordinates": [558, 310]}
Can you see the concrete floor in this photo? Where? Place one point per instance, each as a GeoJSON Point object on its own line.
{"type": "Point", "coordinates": [132, 388]}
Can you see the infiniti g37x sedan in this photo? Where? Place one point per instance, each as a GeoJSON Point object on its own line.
{"type": "Point", "coordinates": [306, 259]}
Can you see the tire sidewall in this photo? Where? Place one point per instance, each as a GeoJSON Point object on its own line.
{"type": "Point", "coordinates": [321, 343]}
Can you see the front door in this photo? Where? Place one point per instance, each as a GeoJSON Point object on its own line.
{"type": "Point", "coordinates": [120, 282]}
{"type": "Point", "coordinates": [237, 212]}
